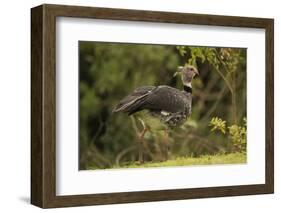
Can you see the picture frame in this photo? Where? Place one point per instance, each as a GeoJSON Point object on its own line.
{"type": "Point", "coordinates": [44, 114]}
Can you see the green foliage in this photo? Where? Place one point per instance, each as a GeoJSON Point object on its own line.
{"type": "Point", "coordinates": [217, 124]}
{"type": "Point", "coordinates": [237, 134]}
{"type": "Point", "coordinates": [181, 50]}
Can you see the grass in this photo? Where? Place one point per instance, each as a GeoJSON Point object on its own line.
{"type": "Point", "coordinates": [233, 158]}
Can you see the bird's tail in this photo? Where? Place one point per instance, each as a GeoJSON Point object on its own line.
{"type": "Point", "coordinates": [129, 104]}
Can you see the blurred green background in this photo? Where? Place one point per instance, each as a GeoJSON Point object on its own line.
{"type": "Point", "coordinates": [110, 71]}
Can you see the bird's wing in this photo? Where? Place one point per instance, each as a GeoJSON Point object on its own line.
{"type": "Point", "coordinates": [131, 102]}
{"type": "Point", "coordinates": [165, 98]}
{"type": "Point", "coordinates": [161, 98]}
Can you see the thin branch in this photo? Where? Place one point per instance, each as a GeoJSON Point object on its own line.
{"type": "Point", "coordinates": [122, 153]}
{"type": "Point", "coordinates": [221, 74]}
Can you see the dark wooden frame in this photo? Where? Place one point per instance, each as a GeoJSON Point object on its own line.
{"type": "Point", "coordinates": [43, 106]}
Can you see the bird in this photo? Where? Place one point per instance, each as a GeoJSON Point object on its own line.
{"type": "Point", "coordinates": [160, 108]}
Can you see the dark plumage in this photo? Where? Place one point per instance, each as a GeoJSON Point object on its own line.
{"type": "Point", "coordinates": [167, 103]}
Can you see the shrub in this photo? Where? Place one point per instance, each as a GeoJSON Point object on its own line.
{"type": "Point", "coordinates": [237, 134]}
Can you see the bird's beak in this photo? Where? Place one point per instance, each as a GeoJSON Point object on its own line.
{"type": "Point", "coordinates": [196, 72]}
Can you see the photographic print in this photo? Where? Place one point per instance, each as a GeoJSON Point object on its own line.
{"type": "Point", "coordinates": [119, 117]}
{"type": "Point", "coordinates": [146, 105]}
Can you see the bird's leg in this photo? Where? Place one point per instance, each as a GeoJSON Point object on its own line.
{"type": "Point", "coordinates": [141, 146]}
{"type": "Point", "coordinates": [166, 144]}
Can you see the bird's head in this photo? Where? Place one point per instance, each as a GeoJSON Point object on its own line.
{"type": "Point", "coordinates": [187, 73]}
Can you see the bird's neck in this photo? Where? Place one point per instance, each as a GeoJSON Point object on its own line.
{"type": "Point", "coordinates": [187, 87]}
